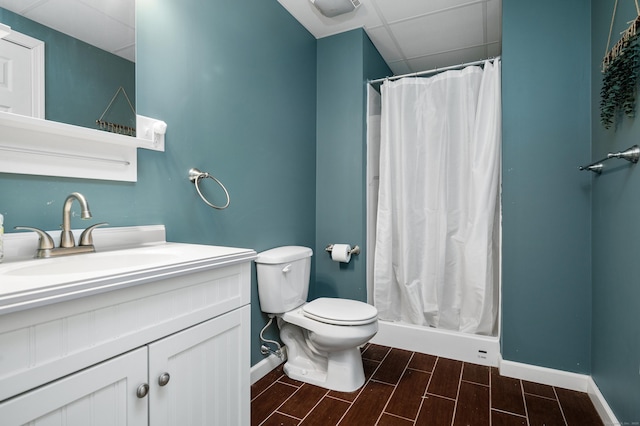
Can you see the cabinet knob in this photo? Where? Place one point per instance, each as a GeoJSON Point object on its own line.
{"type": "Point", "coordinates": [163, 379]}
{"type": "Point", "coordinates": [142, 390]}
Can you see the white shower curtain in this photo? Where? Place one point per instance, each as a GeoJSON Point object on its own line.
{"type": "Point", "coordinates": [437, 236]}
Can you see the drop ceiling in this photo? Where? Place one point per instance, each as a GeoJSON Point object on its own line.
{"type": "Point", "coordinates": [109, 25]}
{"type": "Point", "coordinates": [415, 35]}
{"type": "Point", "coordinates": [411, 35]}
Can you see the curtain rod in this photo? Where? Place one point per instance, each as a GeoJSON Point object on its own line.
{"type": "Point", "coordinates": [433, 71]}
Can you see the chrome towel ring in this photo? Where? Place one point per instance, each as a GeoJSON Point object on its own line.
{"type": "Point", "coordinates": [195, 175]}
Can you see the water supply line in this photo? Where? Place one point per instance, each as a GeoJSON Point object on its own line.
{"type": "Point", "coordinates": [265, 349]}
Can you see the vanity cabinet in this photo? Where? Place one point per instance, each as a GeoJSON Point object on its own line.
{"type": "Point", "coordinates": [86, 361]}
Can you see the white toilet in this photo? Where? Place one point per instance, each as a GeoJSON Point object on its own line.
{"type": "Point", "coordinates": [322, 336]}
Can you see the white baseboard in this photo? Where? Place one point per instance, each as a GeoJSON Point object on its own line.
{"type": "Point", "coordinates": [602, 407]}
{"type": "Point", "coordinates": [263, 368]}
{"type": "Point", "coordinates": [561, 379]}
{"type": "Point", "coordinates": [545, 376]}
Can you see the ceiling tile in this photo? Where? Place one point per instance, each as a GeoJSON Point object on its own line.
{"type": "Point", "coordinates": [385, 44]}
{"type": "Point", "coordinates": [432, 34]}
{"type": "Point", "coordinates": [394, 10]}
{"type": "Point", "coordinates": [446, 59]}
{"type": "Point", "coordinates": [400, 67]}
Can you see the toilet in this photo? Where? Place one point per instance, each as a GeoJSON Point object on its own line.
{"type": "Point", "coordinates": [322, 336]}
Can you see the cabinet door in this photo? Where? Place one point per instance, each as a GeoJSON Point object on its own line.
{"type": "Point", "coordinates": [101, 395]}
{"type": "Point", "coordinates": [208, 374]}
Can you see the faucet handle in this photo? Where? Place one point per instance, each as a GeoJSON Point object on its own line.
{"type": "Point", "coordinates": [45, 242]}
{"type": "Point", "coordinates": [86, 238]}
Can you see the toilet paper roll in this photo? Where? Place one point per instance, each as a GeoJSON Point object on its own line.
{"type": "Point", "coordinates": [341, 253]}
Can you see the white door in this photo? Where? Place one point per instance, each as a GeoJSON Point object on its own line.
{"type": "Point", "coordinates": [22, 75]}
{"type": "Point", "coordinates": [200, 376]}
{"type": "Point", "coordinates": [103, 395]}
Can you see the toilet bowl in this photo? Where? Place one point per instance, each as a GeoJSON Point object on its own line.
{"type": "Point", "coordinates": [322, 336]}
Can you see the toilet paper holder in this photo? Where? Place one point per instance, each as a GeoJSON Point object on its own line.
{"type": "Point", "coordinates": [354, 250]}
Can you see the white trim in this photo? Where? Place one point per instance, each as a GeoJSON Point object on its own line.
{"type": "Point", "coordinates": [601, 405]}
{"type": "Point", "coordinates": [561, 379]}
{"type": "Point", "coordinates": [544, 375]}
{"type": "Point", "coordinates": [264, 367]}
{"type": "Point", "coordinates": [37, 72]}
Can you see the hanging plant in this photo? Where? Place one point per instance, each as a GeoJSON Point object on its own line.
{"type": "Point", "coordinates": [620, 68]}
{"type": "Point", "coordinates": [619, 82]}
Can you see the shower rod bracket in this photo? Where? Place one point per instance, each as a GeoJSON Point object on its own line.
{"type": "Point", "coordinates": [632, 155]}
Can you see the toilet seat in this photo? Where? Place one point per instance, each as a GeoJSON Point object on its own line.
{"type": "Point", "coordinates": [340, 311]}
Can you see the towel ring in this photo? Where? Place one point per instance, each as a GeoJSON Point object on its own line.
{"type": "Point", "coordinates": [195, 175]}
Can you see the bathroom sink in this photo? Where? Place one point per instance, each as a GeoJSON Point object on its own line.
{"type": "Point", "coordinates": [26, 283]}
{"type": "Point", "coordinates": [70, 266]}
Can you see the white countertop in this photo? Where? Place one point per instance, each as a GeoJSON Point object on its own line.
{"type": "Point", "coordinates": [124, 261]}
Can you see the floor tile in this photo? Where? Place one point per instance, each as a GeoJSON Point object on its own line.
{"type": "Point", "coordinates": [473, 405]}
{"type": "Point", "coordinates": [418, 390]}
{"type": "Point", "coordinates": [392, 367]}
{"type": "Point", "coordinates": [577, 408]}
{"type": "Point", "coordinates": [279, 419]}
{"type": "Point", "coordinates": [500, 418]}
{"type": "Point", "coordinates": [390, 420]}
{"type": "Point", "coordinates": [436, 411]}
{"type": "Point", "coordinates": [369, 405]}
{"type": "Point", "coordinates": [327, 413]}
{"type": "Point", "coordinates": [423, 362]}
{"type": "Point", "coordinates": [267, 402]}
{"type": "Point", "coordinates": [475, 373]}
{"type": "Point", "coordinates": [445, 378]}
{"type": "Point", "coordinates": [538, 389]}
{"type": "Point", "coordinates": [258, 387]}
{"type": "Point", "coordinates": [543, 411]}
{"type": "Point", "coordinates": [407, 397]}
{"type": "Point", "coordinates": [301, 402]}
{"type": "Point", "coordinates": [376, 352]}
{"type": "Point", "coordinates": [506, 394]}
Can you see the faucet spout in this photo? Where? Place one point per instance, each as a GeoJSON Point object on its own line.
{"type": "Point", "coordinates": [66, 237]}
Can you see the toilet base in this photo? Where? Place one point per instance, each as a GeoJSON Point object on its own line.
{"type": "Point", "coordinates": [344, 372]}
{"type": "Point", "coordinates": [337, 370]}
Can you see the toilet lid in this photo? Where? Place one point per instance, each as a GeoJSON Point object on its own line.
{"type": "Point", "coordinates": [340, 311]}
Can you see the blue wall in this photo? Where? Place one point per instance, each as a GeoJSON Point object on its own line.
{"type": "Point", "coordinates": [546, 290]}
{"type": "Point", "coordinates": [80, 79]}
{"type": "Point", "coordinates": [616, 240]}
{"type": "Point", "coordinates": [345, 62]}
{"type": "Point", "coordinates": [236, 83]}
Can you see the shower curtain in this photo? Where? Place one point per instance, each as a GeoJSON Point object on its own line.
{"type": "Point", "coordinates": [438, 218]}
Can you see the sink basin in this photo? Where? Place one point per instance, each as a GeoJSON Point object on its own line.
{"type": "Point", "coordinates": [89, 264]}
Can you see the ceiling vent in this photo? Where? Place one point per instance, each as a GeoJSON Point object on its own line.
{"type": "Point", "coordinates": [331, 8]}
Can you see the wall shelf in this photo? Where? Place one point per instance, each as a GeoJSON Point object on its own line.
{"type": "Point", "coordinates": [39, 147]}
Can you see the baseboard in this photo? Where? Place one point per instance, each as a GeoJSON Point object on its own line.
{"type": "Point", "coordinates": [605, 412]}
{"type": "Point", "coordinates": [263, 368]}
{"type": "Point", "coordinates": [544, 375]}
{"type": "Point", "coordinates": [561, 379]}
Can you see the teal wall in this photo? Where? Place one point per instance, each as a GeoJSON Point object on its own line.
{"type": "Point", "coordinates": [80, 79]}
{"type": "Point", "coordinates": [616, 240]}
{"type": "Point", "coordinates": [345, 62]}
{"type": "Point", "coordinates": [546, 283]}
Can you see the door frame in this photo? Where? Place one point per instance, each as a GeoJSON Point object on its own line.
{"type": "Point", "coordinates": [37, 71]}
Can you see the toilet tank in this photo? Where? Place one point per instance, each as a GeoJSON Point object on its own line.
{"type": "Point", "coordinates": [283, 278]}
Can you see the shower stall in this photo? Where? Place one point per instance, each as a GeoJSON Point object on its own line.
{"type": "Point", "coordinates": [433, 212]}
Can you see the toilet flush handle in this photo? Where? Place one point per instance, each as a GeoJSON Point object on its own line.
{"type": "Point", "coordinates": [286, 269]}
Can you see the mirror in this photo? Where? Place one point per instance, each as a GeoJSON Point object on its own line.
{"type": "Point", "coordinates": [82, 81]}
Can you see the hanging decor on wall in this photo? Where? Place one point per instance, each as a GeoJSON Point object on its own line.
{"type": "Point", "coordinates": [114, 127]}
{"type": "Point", "coordinates": [620, 70]}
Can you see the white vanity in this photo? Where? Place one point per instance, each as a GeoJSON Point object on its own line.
{"type": "Point", "coordinates": [143, 332]}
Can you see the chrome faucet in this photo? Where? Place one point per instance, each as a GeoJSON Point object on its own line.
{"type": "Point", "coordinates": [66, 237]}
{"type": "Point", "coordinates": [46, 247]}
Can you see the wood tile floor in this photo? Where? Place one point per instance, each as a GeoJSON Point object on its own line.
{"type": "Point", "coordinates": [410, 388]}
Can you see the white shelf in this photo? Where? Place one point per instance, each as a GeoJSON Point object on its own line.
{"type": "Point", "coordinates": [38, 147]}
